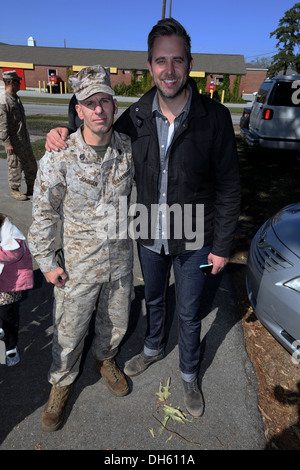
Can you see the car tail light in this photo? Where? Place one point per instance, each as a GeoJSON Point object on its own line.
{"type": "Point", "coordinates": [267, 114]}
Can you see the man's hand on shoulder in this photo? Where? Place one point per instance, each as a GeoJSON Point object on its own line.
{"type": "Point", "coordinates": [56, 139]}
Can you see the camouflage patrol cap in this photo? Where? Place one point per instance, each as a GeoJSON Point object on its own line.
{"type": "Point", "coordinates": [11, 75]}
{"type": "Point", "coordinates": [91, 80]}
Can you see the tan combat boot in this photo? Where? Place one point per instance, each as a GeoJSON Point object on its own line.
{"type": "Point", "coordinates": [54, 411]}
{"type": "Point", "coordinates": [15, 193]}
{"type": "Point", "coordinates": [113, 376]}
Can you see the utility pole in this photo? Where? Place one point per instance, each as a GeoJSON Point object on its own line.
{"type": "Point", "coordinates": [164, 9]}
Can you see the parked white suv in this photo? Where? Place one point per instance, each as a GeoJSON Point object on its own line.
{"type": "Point", "coordinates": [274, 119]}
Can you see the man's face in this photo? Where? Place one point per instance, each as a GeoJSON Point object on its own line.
{"type": "Point", "coordinates": [169, 67]}
{"type": "Point", "coordinates": [98, 112]}
{"type": "Point", "coordinates": [15, 86]}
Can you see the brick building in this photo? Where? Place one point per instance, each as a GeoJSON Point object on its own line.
{"type": "Point", "coordinates": [35, 64]}
{"type": "Point", "coordinates": [253, 79]}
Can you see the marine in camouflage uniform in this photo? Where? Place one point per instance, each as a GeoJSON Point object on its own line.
{"type": "Point", "coordinates": [89, 195]}
{"type": "Point", "coordinates": [15, 137]}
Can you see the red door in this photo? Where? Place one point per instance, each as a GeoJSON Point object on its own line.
{"type": "Point", "coordinates": [20, 73]}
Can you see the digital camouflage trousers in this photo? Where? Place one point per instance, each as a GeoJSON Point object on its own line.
{"type": "Point", "coordinates": [73, 308]}
{"type": "Point", "coordinates": [22, 160]}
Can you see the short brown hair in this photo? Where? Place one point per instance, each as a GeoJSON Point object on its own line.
{"type": "Point", "coordinates": [168, 27]}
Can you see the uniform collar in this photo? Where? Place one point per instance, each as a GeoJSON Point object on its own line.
{"type": "Point", "coordinates": [87, 153]}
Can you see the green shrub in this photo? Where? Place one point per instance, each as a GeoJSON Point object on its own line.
{"type": "Point", "coordinates": [136, 87]}
{"type": "Point", "coordinates": [121, 89]}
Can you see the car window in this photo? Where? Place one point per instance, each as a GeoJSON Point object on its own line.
{"type": "Point", "coordinates": [263, 92]}
{"type": "Point", "coordinates": [282, 95]}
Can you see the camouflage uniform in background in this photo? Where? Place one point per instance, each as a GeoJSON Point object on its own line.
{"type": "Point", "coordinates": [78, 188]}
{"type": "Point", "coordinates": [13, 131]}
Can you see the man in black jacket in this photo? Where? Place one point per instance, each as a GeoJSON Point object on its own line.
{"type": "Point", "coordinates": [186, 169]}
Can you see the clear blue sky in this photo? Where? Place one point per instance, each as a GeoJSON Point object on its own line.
{"type": "Point", "coordinates": [220, 26]}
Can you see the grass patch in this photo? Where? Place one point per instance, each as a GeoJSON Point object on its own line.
{"type": "Point", "coordinates": [236, 110]}
{"type": "Point", "coordinates": [124, 104]}
{"type": "Point", "coordinates": [44, 100]}
{"type": "Point", "coordinates": [42, 124]}
{"type": "Point", "coordinates": [44, 117]}
{"type": "Point", "coordinates": [62, 101]}
{"type": "Point", "coordinates": [38, 148]}
{"type": "Point", "coordinates": [121, 104]}
{"type": "Point", "coordinates": [39, 125]}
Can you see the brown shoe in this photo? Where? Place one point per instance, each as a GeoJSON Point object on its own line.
{"type": "Point", "coordinates": [113, 376]}
{"type": "Point", "coordinates": [15, 193]}
{"type": "Point", "coordinates": [54, 411]}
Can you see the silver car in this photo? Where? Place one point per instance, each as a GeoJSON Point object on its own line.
{"type": "Point", "coordinates": [274, 119]}
{"type": "Point", "coordinates": [273, 277]}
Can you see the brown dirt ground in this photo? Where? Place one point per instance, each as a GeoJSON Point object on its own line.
{"type": "Point", "coordinates": [278, 377]}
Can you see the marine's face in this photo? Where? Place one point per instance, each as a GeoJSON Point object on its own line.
{"type": "Point", "coordinates": [15, 86]}
{"type": "Point", "coordinates": [98, 112]}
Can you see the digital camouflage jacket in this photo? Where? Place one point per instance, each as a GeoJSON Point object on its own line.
{"type": "Point", "coordinates": [88, 196]}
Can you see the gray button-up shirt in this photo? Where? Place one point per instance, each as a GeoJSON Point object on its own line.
{"type": "Point", "coordinates": [165, 133]}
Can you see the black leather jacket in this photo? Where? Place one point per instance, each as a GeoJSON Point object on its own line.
{"type": "Point", "coordinates": [203, 166]}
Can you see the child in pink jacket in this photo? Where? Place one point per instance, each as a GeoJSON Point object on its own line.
{"type": "Point", "coordinates": [16, 274]}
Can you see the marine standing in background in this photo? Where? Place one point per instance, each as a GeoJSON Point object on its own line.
{"type": "Point", "coordinates": [15, 137]}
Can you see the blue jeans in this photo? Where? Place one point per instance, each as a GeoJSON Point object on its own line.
{"type": "Point", "coordinates": [189, 283]}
